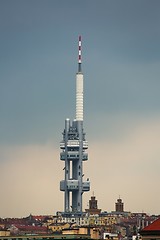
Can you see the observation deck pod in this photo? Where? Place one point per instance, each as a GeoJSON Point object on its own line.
{"type": "Point", "coordinates": [73, 156]}
{"type": "Point", "coordinates": [71, 148]}
{"type": "Point", "coordinates": [74, 185]}
{"type": "Point", "coordinates": [73, 144]}
{"type": "Point", "coordinates": [86, 186]}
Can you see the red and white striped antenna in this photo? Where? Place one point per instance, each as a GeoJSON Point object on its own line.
{"type": "Point", "coordinates": [79, 84]}
{"type": "Point", "coordinates": [79, 53]}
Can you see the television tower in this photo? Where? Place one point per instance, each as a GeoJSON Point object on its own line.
{"type": "Point", "coordinates": [73, 151]}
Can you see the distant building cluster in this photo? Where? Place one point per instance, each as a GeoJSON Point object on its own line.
{"type": "Point", "coordinates": [94, 223]}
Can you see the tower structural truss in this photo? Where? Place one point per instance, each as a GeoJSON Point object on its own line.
{"type": "Point", "coordinates": [73, 151]}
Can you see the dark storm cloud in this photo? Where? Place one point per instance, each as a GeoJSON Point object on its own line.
{"type": "Point", "coordinates": [39, 61]}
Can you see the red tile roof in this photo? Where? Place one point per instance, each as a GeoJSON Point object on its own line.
{"type": "Point", "coordinates": [40, 218]}
{"type": "Point", "coordinates": [31, 228]}
{"type": "Point", "coordinates": [154, 226]}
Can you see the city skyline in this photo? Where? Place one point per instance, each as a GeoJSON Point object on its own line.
{"type": "Point", "coordinates": [121, 66]}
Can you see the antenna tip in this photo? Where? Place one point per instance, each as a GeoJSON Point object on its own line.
{"type": "Point", "coordinates": [79, 53]}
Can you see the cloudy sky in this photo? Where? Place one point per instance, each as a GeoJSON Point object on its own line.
{"type": "Point", "coordinates": [121, 66]}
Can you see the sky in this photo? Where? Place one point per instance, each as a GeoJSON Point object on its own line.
{"type": "Point", "coordinates": [121, 66]}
